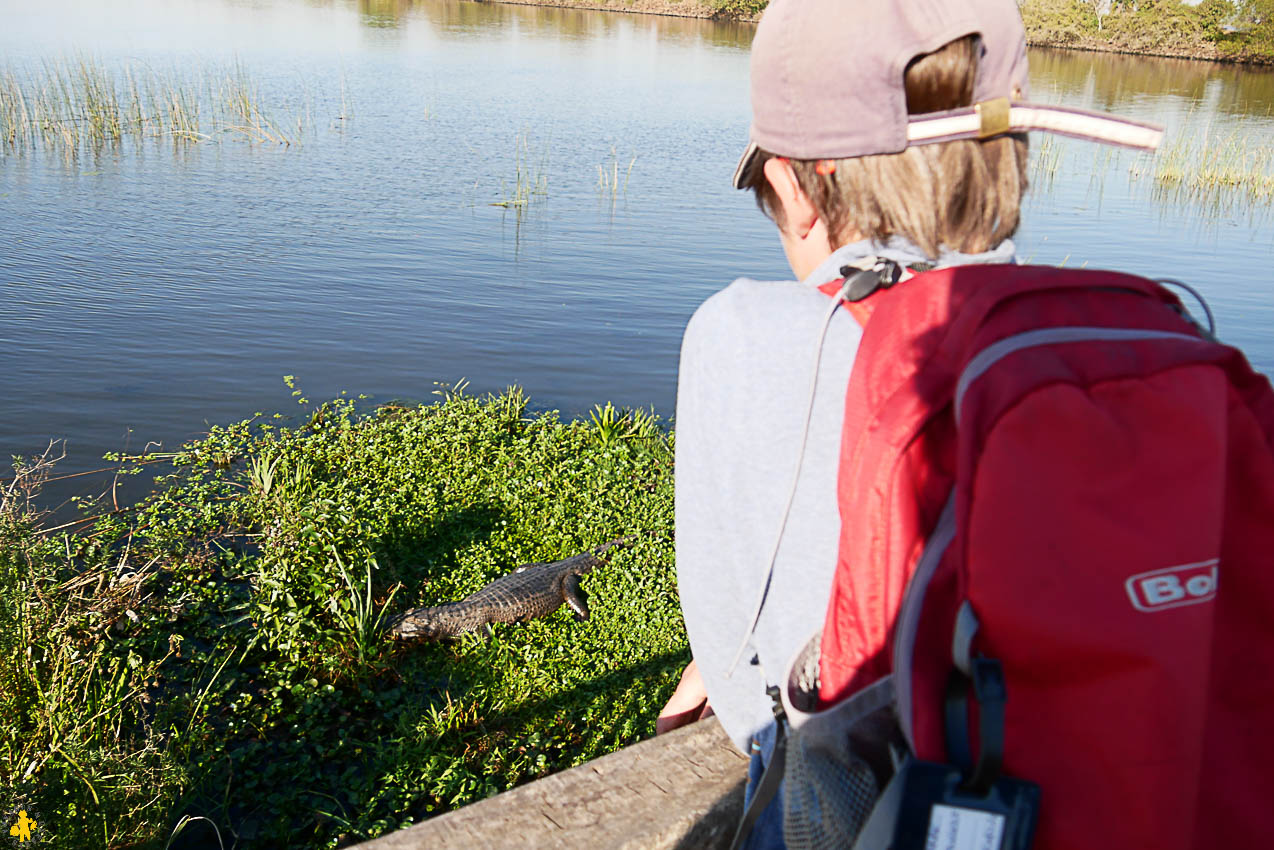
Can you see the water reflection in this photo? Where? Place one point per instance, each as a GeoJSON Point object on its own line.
{"type": "Point", "coordinates": [462, 17]}
{"type": "Point", "coordinates": [382, 13]}
{"type": "Point", "coordinates": [279, 26]}
{"type": "Point", "coordinates": [1110, 81]}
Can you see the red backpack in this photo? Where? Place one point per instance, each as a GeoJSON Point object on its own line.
{"type": "Point", "coordinates": [1055, 474]}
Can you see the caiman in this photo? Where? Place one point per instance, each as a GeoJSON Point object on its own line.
{"type": "Point", "coordinates": [530, 591]}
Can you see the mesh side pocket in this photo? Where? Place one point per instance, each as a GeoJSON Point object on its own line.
{"type": "Point", "coordinates": [838, 760]}
{"type": "Point", "coordinates": [827, 795]}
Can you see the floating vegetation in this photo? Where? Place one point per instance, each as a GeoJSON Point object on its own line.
{"type": "Point", "coordinates": [72, 104]}
{"type": "Point", "coordinates": [608, 175]}
{"type": "Point", "coordinates": [212, 660]}
{"type": "Point", "coordinates": [529, 180]}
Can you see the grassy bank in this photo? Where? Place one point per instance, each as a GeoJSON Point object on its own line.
{"type": "Point", "coordinates": [211, 659]}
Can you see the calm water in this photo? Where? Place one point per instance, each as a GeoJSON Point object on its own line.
{"type": "Point", "coordinates": [151, 289]}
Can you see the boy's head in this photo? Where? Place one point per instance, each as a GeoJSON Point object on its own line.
{"type": "Point", "coordinates": [835, 86]}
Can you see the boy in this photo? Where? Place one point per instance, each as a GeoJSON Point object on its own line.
{"type": "Point", "coordinates": [850, 176]}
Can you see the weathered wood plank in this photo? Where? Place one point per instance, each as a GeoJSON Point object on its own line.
{"type": "Point", "coordinates": [680, 790]}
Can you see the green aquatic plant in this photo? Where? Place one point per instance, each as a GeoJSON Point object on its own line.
{"type": "Point", "coordinates": [241, 101]}
{"type": "Point", "coordinates": [359, 614]}
{"type": "Point", "coordinates": [261, 474]}
{"type": "Point", "coordinates": [611, 424]}
{"type": "Point", "coordinates": [530, 180]}
{"type": "Point", "coordinates": [1045, 160]}
{"type": "Point", "coordinates": [614, 425]}
{"type": "Point", "coordinates": [646, 425]}
{"type": "Point", "coordinates": [1214, 168]}
{"type": "Point", "coordinates": [608, 182]}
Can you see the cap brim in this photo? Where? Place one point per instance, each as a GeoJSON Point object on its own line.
{"type": "Point", "coordinates": [745, 162]}
{"type": "Point", "coordinates": [982, 122]}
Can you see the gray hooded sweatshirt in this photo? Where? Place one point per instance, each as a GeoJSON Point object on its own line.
{"type": "Point", "coordinates": [747, 359]}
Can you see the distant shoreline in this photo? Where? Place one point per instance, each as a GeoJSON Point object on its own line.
{"type": "Point", "coordinates": [1203, 53]}
{"type": "Point", "coordinates": [1038, 35]}
{"type": "Point", "coordinates": [666, 8]}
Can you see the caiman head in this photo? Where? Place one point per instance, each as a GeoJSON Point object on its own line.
{"type": "Point", "coordinates": [416, 625]}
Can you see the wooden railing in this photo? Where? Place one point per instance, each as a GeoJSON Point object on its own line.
{"type": "Point", "coordinates": [681, 790]}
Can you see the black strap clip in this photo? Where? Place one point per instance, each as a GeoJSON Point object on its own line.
{"type": "Point", "coordinates": [987, 677]}
{"type": "Point", "coordinates": [860, 283]}
{"type": "Point", "coordinates": [776, 696]}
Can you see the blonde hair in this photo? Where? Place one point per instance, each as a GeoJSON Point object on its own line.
{"type": "Point", "coordinates": [964, 195]}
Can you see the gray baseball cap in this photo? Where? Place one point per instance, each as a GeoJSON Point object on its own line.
{"type": "Point", "coordinates": [827, 80]}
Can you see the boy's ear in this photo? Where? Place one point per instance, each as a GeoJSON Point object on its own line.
{"type": "Point", "coordinates": [799, 215]}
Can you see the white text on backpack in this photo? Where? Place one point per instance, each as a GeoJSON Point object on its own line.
{"type": "Point", "coordinates": [1188, 584]}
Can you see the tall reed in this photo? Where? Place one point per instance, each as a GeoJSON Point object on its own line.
{"type": "Point", "coordinates": [71, 104]}
{"type": "Point", "coordinates": [1045, 160]}
{"type": "Point", "coordinates": [1214, 167]}
{"type": "Point", "coordinates": [241, 103]}
{"type": "Point", "coordinates": [529, 178]}
{"type": "Point", "coordinates": [608, 175]}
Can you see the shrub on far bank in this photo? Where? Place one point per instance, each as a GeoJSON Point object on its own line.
{"type": "Point", "coordinates": [1213, 29]}
{"type": "Point", "coordinates": [738, 9]}
{"type": "Point", "coordinates": [1254, 34]}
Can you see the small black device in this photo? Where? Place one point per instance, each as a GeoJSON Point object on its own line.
{"type": "Point", "coordinates": [932, 812]}
{"type": "Point", "coordinates": [969, 805]}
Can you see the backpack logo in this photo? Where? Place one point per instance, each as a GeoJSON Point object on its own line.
{"type": "Point", "coordinates": [1189, 584]}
